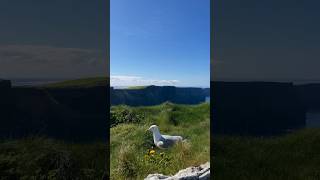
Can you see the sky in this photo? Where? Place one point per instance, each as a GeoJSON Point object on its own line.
{"type": "Point", "coordinates": [266, 40]}
{"type": "Point", "coordinates": [64, 39]}
{"type": "Point", "coordinates": [163, 42]}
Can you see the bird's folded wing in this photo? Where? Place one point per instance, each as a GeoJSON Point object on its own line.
{"type": "Point", "coordinates": [174, 138]}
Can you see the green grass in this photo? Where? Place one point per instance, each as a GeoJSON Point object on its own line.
{"type": "Point", "coordinates": [42, 158]}
{"type": "Point", "coordinates": [136, 87]}
{"type": "Point", "coordinates": [130, 141]}
{"type": "Point", "coordinates": [82, 83]}
{"type": "Point", "coordinates": [294, 156]}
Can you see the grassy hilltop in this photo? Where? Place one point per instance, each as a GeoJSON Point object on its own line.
{"type": "Point", "coordinates": [79, 83]}
{"type": "Point", "coordinates": [294, 156]}
{"type": "Point", "coordinates": [129, 141]}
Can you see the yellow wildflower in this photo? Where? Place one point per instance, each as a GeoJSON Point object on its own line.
{"type": "Point", "coordinates": [152, 152]}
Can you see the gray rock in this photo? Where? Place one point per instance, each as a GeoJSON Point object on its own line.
{"type": "Point", "coordinates": [201, 172]}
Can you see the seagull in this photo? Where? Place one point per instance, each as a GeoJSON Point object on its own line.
{"type": "Point", "coordinates": [163, 141]}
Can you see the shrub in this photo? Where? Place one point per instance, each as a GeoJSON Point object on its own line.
{"type": "Point", "coordinates": [125, 115]}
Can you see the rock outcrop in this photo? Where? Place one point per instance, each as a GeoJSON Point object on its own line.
{"type": "Point", "coordinates": [201, 172]}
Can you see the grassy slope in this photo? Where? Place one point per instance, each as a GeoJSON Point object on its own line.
{"type": "Point", "coordinates": [83, 83]}
{"type": "Point", "coordinates": [294, 156]}
{"type": "Point", "coordinates": [41, 158]}
{"type": "Point", "coordinates": [130, 141]}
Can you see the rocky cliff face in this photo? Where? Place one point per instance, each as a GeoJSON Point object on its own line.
{"type": "Point", "coordinates": [153, 95]}
{"type": "Point", "coordinates": [257, 108]}
{"type": "Point", "coordinates": [310, 95]}
{"type": "Point", "coordinates": [81, 113]}
{"type": "Point", "coordinates": [5, 104]}
{"type": "Point", "coordinates": [78, 114]}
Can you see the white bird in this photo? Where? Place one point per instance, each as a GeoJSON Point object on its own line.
{"type": "Point", "coordinates": [163, 141]}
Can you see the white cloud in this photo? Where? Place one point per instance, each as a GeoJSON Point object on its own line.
{"type": "Point", "coordinates": [139, 81]}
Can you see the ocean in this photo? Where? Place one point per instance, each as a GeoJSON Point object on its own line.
{"type": "Point", "coordinates": [313, 119]}
{"type": "Point", "coordinates": [33, 82]}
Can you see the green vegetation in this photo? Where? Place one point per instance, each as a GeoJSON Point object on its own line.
{"type": "Point", "coordinates": [137, 87]}
{"type": "Point", "coordinates": [130, 142]}
{"type": "Point", "coordinates": [295, 156]}
{"type": "Point", "coordinates": [47, 159]}
{"type": "Point", "coordinates": [84, 83]}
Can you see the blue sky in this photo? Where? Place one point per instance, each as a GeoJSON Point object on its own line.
{"type": "Point", "coordinates": [160, 42]}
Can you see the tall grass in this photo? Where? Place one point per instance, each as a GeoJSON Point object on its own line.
{"type": "Point", "coordinates": [47, 159]}
{"type": "Point", "coordinates": [294, 156]}
{"type": "Point", "coordinates": [130, 141]}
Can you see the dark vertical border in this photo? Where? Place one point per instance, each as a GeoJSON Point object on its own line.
{"type": "Point", "coordinates": [107, 170]}
{"type": "Point", "coordinates": [211, 79]}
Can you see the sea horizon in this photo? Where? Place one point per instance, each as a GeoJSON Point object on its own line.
{"type": "Point", "coordinates": [125, 87]}
{"type": "Point", "coordinates": [34, 81]}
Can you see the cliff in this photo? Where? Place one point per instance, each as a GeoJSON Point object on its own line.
{"type": "Point", "coordinates": [5, 104]}
{"type": "Point", "coordinates": [76, 114]}
{"type": "Point", "coordinates": [256, 108]}
{"type": "Point", "coordinates": [153, 95]}
{"type": "Point", "coordinates": [310, 95]}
